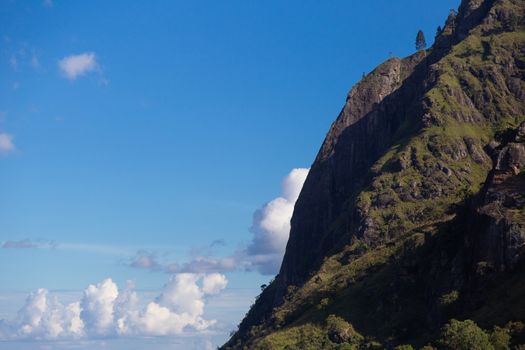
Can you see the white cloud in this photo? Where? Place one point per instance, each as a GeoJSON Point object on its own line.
{"type": "Point", "coordinates": [214, 283]}
{"type": "Point", "coordinates": [179, 306]}
{"type": "Point", "coordinates": [77, 65]}
{"type": "Point", "coordinates": [271, 225]}
{"type": "Point", "coordinates": [43, 317]}
{"type": "Point", "coordinates": [6, 143]}
{"type": "Point", "coordinates": [293, 184]}
{"type": "Point", "coordinates": [104, 311]}
{"type": "Point", "coordinates": [97, 306]}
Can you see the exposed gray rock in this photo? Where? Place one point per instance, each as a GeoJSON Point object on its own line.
{"type": "Point", "coordinates": [361, 132]}
{"type": "Point", "coordinates": [497, 238]}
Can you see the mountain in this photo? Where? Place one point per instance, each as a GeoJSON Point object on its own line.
{"type": "Point", "coordinates": [413, 213]}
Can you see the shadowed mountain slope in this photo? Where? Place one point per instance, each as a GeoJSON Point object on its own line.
{"type": "Point", "coordinates": [413, 210]}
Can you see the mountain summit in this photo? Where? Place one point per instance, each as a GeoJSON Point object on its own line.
{"type": "Point", "coordinates": [413, 212]}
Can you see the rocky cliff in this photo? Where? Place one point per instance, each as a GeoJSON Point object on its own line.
{"type": "Point", "coordinates": [413, 210]}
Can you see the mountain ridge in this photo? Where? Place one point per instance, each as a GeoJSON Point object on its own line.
{"type": "Point", "coordinates": [404, 169]}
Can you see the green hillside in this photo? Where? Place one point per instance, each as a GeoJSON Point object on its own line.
{"type": "Point", "coordinates": [413, 214]}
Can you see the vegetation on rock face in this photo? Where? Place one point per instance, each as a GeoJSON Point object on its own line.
{"type": "Point", "coordinates": [500, 338]}
{"type": "Point", "coordinates": [338, 334]}
{"type": "Point", "coordinates": [413, 214]}
{"type": "Point", "coordinates": [464, 335]}
{"type": "Point", "coordinates": [404, 347]}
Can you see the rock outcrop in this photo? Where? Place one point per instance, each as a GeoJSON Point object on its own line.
{"type": "Point", "coordinates": [362, 132]}
{"type": "Point", "coordinates": [413, 210]}
{"type": "Point", "coordinates": [496, 236]}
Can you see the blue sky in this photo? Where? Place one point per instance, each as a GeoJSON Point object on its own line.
{"type": "Point", "coordinates": [142, 139]}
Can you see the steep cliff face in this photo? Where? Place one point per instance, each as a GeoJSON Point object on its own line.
{"type": "Point", "coordinates": [496, 238]}
{"type": "Point", "coordinates": [415, 200]}
{"type": "Point", "coordinates": [362, 132]}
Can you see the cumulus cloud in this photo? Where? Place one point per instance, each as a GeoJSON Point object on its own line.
{"type": "Point", "coordinates": [97, 306]}
{"type": "Point", "coordinates": [105, 311]}
{"type": "Point", "coordinates": [271, 225]}
{"type": "Point", "coordinates": [43, 317]}
{"type": "Point", "coordinates": [75, 66]}
{"type": "Point", "coordinates": [214, 283]}
{"type": "Point", "coordinates": [6, 143]}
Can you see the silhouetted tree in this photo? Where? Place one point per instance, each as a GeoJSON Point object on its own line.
{"type": "Point", "coordinates": [421, 43]}
{"type": "Point", "coordinates": [438, 31]}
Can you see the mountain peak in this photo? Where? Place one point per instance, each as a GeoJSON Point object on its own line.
{"type": "Point", "coordinates": [393, 230]}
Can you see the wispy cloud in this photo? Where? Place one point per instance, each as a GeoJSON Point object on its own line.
{"type": "Point", "coordinates": [98, 249]}
{"type": "Point", "coordinates": [145, 260]}
{"type": "Point", "coordinates": [22, 244]}
{"type": "Point", "coordinates": [13, 61]}
{"type": "Point", "coordinates": [6, 143]}
{"type": "Point", "coordinates": [106, 311]}
{"type": "Point", "coordinates": [74, 66]}
{"type": "Point", "coordinates": [218, 243]}
{"type": "Point", "coordinates": [203, 264]}
{"type": "Point", "coordinates": [34, 61]}
{"type": "Point", "coordinates": [27, 244]}
{"type": "Point", "coordinates": [21, 55]}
